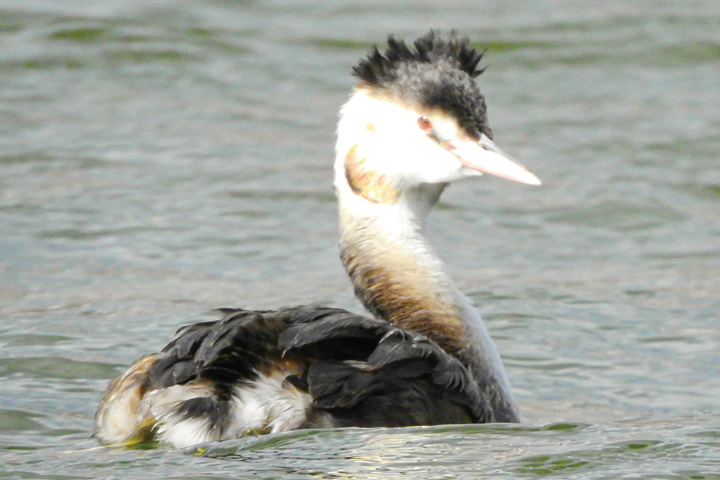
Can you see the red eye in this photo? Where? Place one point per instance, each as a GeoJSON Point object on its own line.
{"type": "Point", "coordinates": [424, 123]}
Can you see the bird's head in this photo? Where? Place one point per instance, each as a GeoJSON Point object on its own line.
{"type": "Point", "coordinates": [417, 117]}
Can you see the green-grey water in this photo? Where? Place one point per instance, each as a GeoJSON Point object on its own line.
{"type": "Point", "coordinates": [160, 159]}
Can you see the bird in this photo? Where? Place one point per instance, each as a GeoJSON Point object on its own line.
{"type": "Point", "coordinates": [414, 122]}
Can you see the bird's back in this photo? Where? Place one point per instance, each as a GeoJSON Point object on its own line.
{"type": "Point", "coordinates": [267, 371]}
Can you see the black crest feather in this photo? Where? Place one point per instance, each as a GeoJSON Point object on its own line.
{"type": "Point", "coordinates": [381, 69]}
{"type": "Point", "coordinates": [437, 71]}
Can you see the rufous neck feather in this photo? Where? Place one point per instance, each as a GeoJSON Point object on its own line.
{"type": "Point", "coordinates": [399, 280]}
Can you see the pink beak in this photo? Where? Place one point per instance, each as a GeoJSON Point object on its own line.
{"type": "Point", "coordinates": [484, 156]}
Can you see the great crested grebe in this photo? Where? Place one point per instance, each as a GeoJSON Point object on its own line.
{"type": "Point", "coordinates": [415, 122]}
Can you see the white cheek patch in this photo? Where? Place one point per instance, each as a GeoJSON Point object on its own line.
{"type": "Point", "coordinates": [444, 131]}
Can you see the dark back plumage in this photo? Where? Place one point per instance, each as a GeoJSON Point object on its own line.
{"type": "Point", "coordinates": [357, 369]}
{"type": "Point", "coordinates": [439, 72]}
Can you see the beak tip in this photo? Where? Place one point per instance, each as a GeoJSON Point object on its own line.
{"type": "Point", "coordinates": [528, 178]}
{"type": "Point", "coordinates": [535, 181]}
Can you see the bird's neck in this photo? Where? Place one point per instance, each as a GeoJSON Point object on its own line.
{"type": "Point", "coordinates": [399, 278]}
{"type": "Point", "coordinates": [396, 274]}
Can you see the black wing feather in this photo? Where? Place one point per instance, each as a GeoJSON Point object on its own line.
{"type": "Point", "coordinates": [359, 371]}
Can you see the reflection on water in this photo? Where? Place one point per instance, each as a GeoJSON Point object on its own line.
{"type": "Point", "coordinates": [160, 160]}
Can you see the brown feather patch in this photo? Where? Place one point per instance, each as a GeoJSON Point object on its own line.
{"type": "Point", "coordinates": [120, 418]}
{"type": "Point", "coordinates": [404, 293]}
{"type": "Point", "coordinates": [371, 185]}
